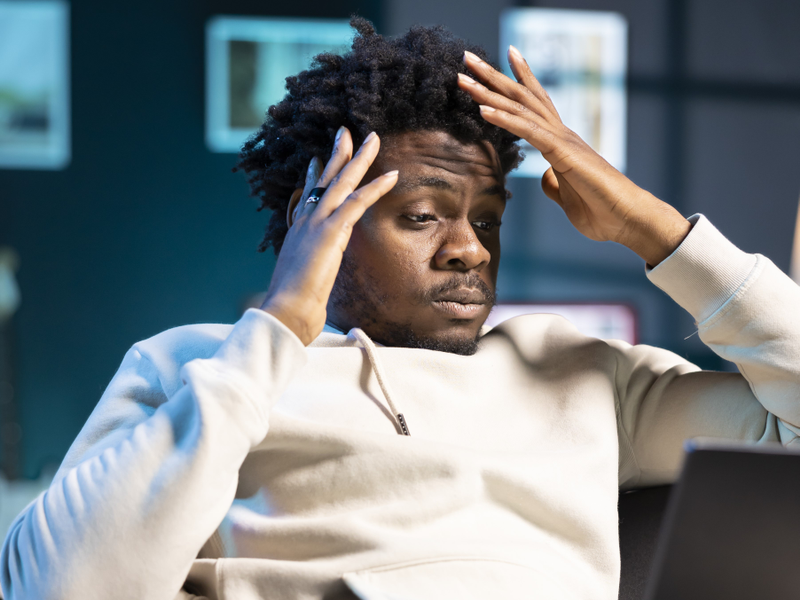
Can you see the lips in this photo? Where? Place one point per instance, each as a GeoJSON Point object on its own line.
{"type": "Point", "coordinates": [461, 303]}
{"type": "Point", "coordinates": [463, 296]}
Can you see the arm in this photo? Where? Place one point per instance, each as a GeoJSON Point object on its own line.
{"type": "Point", "coordinates": [599, 201]}
{"type": "Point", "coordinates": [128, 519]}
{"type": "Point", "coordinates": [746, 309]}
{"type": "Point", "coordinates": [155, 470]}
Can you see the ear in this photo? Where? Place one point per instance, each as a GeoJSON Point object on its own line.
{"type": "Point", "coordinates": [296, 195]}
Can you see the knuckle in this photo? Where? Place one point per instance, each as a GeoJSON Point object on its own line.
{"type": "Point", "coordinates": [336, 227]}
{"type": "Point", "coordinates": [345, 227]}
{"type": "Point", "coordinates": [327, 179]}
{"type": "Point", "coordinates": [535, 129]}
{"type": "Point", "coordinates": [345, 182]}
{"type": "Point", "coordinates": [520, 108]}
{"type": "Point", "coordinates": [336, 179]}
{"type": "Point", "coordinates": [527, 94]}
{"type": "Point", "coordinates": [356, 196]}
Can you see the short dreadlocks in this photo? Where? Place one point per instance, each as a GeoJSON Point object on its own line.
{"type": "Point", "coordinates": [388, 86]}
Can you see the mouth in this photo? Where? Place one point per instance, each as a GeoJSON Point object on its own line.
{"type": "Point", "coordinates": [462, 303]}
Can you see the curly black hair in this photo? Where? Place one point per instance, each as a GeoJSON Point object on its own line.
{"type": "Point", "coordinates": [389, 86]}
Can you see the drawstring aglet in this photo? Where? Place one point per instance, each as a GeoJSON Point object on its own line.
{"type": "Point", "coordinates": [402, 420]}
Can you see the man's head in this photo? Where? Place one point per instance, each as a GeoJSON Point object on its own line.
{"type": "Point", "coordinates": [401, 285]}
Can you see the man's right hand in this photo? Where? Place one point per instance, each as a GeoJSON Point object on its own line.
{"type": "Point", "coordinates": [318, 235]}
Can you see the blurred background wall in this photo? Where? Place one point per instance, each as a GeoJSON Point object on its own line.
{"type": "Point", "coordinates": [146, 229]}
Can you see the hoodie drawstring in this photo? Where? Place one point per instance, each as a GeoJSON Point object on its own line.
{"type": "Point", "coordinates": [372, 356]}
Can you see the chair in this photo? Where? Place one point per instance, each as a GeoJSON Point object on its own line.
{"type": "Point", "coordinates": [640, 516]}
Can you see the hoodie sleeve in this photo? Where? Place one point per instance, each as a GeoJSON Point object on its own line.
{"type": "Point", "coordinates": [746, 310]}
{"type": "Point", "coordinates": [152, 473]}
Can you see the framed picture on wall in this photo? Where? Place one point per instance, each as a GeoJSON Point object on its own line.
{"type": "Point", "coordinates": [247, 63]}
{"type": "Point", "coordinates": [34, 84]}
{"type": "Point", "coordinates": [580, 57]}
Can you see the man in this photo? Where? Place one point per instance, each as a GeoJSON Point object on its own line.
{"type": "Point", "coordinates": [400, 453]}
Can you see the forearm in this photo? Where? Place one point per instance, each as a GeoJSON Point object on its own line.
{"type": "Point", "coordinates": [655, 231]}
{"type": "Point", "coordinates": [129, 521]}
{"type": "Point", "coordinates": [745, 310]}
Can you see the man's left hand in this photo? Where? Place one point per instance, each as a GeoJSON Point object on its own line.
{"type": "Point", "coordinates": [599, 201]}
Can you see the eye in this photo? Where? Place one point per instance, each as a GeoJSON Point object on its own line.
{"type": "Point", "coordinates": [486, 225]}
{"type": "Point", "coordinates": [423, 218]}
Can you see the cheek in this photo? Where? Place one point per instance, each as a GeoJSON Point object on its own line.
{"type": "Point", "coordinates": [398, 256]}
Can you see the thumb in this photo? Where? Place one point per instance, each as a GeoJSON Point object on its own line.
{"type": "Point", "coordinates": [550, 186]}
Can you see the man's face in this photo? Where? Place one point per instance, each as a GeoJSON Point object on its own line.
{"type": "Point", "coordinates": [421, 266]}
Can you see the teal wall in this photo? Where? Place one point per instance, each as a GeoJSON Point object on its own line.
{"type": "Point", "coordinates": [145, 229]}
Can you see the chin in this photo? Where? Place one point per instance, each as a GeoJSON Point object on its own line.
{"type": "Point", "coordinates": [462, 347]}
{"type": "Point", "coordinates": [454, 342]}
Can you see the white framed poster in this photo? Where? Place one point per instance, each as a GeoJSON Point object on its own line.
{"type": "Point", "coordinates": [580, 58]}
{"type": "Point", "coordinates": [34, 84]}
{"type": "Point", "coordinates": [247, 63]}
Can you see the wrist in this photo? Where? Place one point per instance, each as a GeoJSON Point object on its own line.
{"type": "Point", "coordinates": [293, 319]}
{"type": "Point", "coordinates": [657, 232]}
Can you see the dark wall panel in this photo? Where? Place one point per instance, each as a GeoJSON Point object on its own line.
{"type": "Point", "coordinates": [743, 172]}
{"type": "Point", "coordinates": [745, 41]}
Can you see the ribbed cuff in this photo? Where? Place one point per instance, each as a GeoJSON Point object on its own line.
{"type": "Point", "coordinates": [704, 271]}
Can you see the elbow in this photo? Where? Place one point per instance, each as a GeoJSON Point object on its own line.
{"type": "Point", "coordinates": [25, 573]}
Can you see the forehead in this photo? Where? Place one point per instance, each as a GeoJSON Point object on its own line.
{"type": "Point", "coordinates": [436, 153]}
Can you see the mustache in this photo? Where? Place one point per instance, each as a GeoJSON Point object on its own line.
{"type": "Point", "coordinates": [471, 281]}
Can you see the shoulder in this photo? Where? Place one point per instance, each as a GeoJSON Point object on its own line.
{"type": "Point", "coordinates": [544, 327]}
{"type": "Point", "coordinates": [543, 336]}
{"type": "Point", "coordinates": [552, 339]}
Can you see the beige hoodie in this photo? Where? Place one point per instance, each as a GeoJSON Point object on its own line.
{"type": "Point", "coordinates": [284, 470]}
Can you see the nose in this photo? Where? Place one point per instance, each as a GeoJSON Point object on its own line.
{"type": "Point", "coordinates": [461, 250]}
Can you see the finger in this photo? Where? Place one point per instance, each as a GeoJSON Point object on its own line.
{"type": "Point", "coordinates": [483, 95]}
{"type": "Point", "coordinates": [522, 71]}
{"type": "Point", "coordinates": [500, 83]}
{"type": "Point", "coordinates": [356, 204]}
{"type": "Point", "coordinates": [342, 153]}
{"type": "Point", "coordinates": [539, 136]}
{"type": "Point", "coordinates": [550, 186]}
{"type": "Point", "coordinates": [313, 174]}
{"type": "Point", "coordinates": [348, 178]}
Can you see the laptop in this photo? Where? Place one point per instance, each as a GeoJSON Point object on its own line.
{"type": "Point", "coordinates": [732, 526]}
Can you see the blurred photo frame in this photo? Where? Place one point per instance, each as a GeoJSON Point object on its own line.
{"type": "Point", "coordinates": [580, 58]}
{"type": "Point", "coordinates": [34, 84]}
{"type": "Point", "coordinates": [247, 63]}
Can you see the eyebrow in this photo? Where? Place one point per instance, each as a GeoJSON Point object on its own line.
{"type": "Point", "coordinates": [407, 185]}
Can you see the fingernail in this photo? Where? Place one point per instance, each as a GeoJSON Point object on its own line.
{"type": "Point", "coordinates": [513, 51]}
{"type": "Point", "coordinates": [466, 79]}
{"type": "Point", "coordinates": [369, 137]}
{"type": "Point", "coordinates": [391, 174]}
{"type": "Point", "coordinates": [485, 108]}
{"type": "Point", "coordinates": [338, 135]}
{"type": "Point", "coordinates": [312, 164]}
{"type": "Point", "coordinates": [472, 57]}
